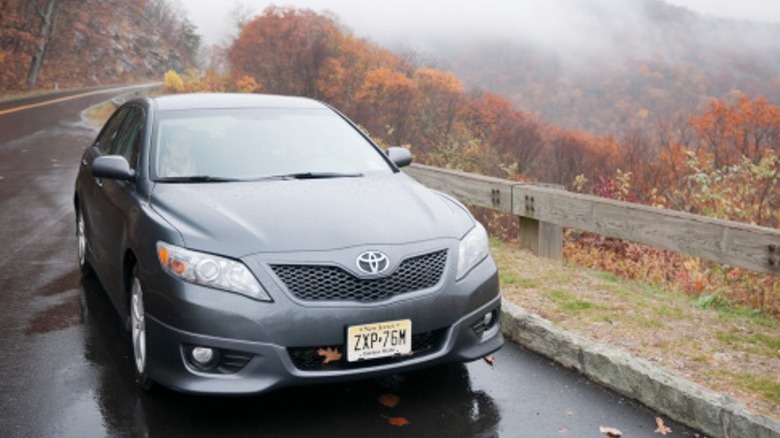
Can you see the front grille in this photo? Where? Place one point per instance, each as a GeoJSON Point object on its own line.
{"type": "Point", "coordinates": [307, 358]}
{"type": "Point", "coordinates": [317, 282]}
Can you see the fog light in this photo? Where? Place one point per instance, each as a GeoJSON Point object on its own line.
{"type": "Point", "coordinates": [488, 320]}
{"type": "Point", "coordinates": [202, 355]}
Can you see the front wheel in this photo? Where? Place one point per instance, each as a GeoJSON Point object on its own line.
{"type": "Point", "coordinates": [138, 333]}
{"type": "Point", "coordinates": [81, 237]}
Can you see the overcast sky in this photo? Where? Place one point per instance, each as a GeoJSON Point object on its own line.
{"type": "Point", "coordinates": [407, 21]}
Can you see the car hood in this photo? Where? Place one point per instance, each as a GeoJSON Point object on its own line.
{"type": "Point", "coordinates": [245, 218]}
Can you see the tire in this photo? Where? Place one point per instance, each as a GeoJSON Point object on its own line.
{"type": "Point", "coordinates": [81, 237]}
{"type": "Point", "coordinates": [137, 319]}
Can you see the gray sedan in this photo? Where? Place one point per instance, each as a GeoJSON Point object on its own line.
{"type": "Point", "coordinates": [251, 242]}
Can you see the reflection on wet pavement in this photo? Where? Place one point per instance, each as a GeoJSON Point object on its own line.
{"type": "Point", "coordinates": [65, 311]}
{"type": "Point", "coordinates": [57, 317]}
{"type": "Point", "coordinates": [64, 283]}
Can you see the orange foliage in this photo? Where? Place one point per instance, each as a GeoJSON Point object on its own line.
{"type": "Point", "coordinates": [286, 49]}
{"type": "Point", "coordinates": [50, 43]}
{"type": "Point", "coordinates": [343, 76]}
{"type": "Point", "coordinates": [387, 104]}
{"type": "Point", "coordinates": [743, 129]}
{"type": "Point", "coordinates": [441, 97]}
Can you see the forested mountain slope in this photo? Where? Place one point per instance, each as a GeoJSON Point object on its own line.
{"type": "Point", "coordinates": [626, 67]}
{"type": "Point", "coordinates": [49, 43]}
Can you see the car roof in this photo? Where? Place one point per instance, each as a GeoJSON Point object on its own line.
{"type": "Point", "coordinates": [174, 102]}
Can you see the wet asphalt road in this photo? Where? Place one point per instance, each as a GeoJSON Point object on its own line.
{"type": "Point", "coordinates": [66, 367]}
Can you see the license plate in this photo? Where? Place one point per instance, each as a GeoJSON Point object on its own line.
{"type": "Point", "coordinates": [382, 339]}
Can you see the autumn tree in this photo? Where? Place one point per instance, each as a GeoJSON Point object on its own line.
{"type": "Point", "coordinates": [759, 127]}
{"type": "Point", "coordinates": [72, 43]}
{"type": "Point", "coordinates": [518, 140]}
{"type": "Point", "coordinates": [26, 29]}
{"type": "Point", "coordinates": [743, 129]}
{"type": "Point", "coordinates": [441, 100]}
{"type": "Point", "coordinates": [343, 76]}
{"type": "Point", "coordinates": [514, 136]}
{"type": "Point", "coordinates": [566, 154]}
{"type": "Point", "coordinates": [286, 49]}
{"type": "Point", "coordinates": [15, 34]}
{"type": "Point", "coordinates": [46, 31]}
{"type": "Point", "coordinates": [388, 105]}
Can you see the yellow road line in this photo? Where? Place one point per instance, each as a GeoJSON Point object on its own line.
{"type": "Point", "coordinates": [61, 99]}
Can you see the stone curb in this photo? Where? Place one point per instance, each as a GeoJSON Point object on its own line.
{"type": "Point", "coordinates": [715, 414]}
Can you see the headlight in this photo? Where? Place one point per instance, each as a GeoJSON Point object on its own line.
{"type": "Point", "coordinates": [473, 249]}
{"type": "Point", "coordinates": [210, 270]}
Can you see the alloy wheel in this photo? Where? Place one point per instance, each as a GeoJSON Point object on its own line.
{"type": "Point", "coordinates": [82, 239]}
{"type": "Point", "coordinates": [138, 321]}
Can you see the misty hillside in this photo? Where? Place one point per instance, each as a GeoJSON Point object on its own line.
{"type": "Point", "coordinates": [626, 67]}
{"type": "Point", "coordinates": [61, 43]}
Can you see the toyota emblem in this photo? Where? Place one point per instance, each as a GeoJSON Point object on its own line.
{"type": "Point", "coordinates": [372, 262]}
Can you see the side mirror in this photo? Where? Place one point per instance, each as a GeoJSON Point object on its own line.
{"type": "Point", "coordinates": [112, 167]}
{"type": "Point", "coordinates": [400, 156]}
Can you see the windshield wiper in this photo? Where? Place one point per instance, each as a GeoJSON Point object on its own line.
{"type": "Point", "coordinates": [299, 175]}
{"type": "Point", "coordinates": [314, 175]}
{"type": "Point", "coordinates": [196, 179]}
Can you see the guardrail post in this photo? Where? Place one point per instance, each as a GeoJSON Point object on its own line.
{"type": "Point", "coordinates": [543, 239]}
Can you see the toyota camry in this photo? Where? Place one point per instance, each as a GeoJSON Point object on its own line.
{"type": "Point", "coordinates": [251, 242]}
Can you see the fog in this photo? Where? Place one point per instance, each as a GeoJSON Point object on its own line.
{"type": "Point", "coordinates": [427, 24]}
{"type": "Point", "coordinates": [522, 48]}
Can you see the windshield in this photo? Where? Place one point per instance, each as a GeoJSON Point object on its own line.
{"type": "Point", "coordinates": [250, 144]}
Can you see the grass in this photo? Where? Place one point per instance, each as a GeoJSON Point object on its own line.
{"type": "Point", "coordinates": [569, 303]}
{"type": "Point", "coordinates": [755, 343]}
{"type": "Point", "coordinates": [768, 388]}
{"type": "Point", "coordinates": [608, 276]}
{"type": "Point", "coordinates": [704, 340]}
{"type": "Point", "coordinates": [668, 312]}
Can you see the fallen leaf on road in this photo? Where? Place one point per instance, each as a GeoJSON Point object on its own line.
{"type": "Point", "coordinates": [329, 354]}
{"type": "Point", "coordinates": [662, 429]}
{"type": "Point", "coordinates": [397, 421]}
{"type": "Point", "coordinates": [610, 432]}
{"type": "Point", "coordinates": [490, 360]}
{"type": "Point", "coordinates": [389, 400]}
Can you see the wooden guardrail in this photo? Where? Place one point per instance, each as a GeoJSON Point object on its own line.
{"type": "Point", "coordinates": [544, 210]}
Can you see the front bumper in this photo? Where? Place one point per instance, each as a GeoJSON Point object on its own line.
{"type": "Point", "coordinates": [271, 366]}
{"type": "Point", "coordinates": [272, 341]}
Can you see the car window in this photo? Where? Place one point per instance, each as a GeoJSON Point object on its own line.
{"type": "Point", "coordinates": [257, 143]}
{"type": "Point", "coordinates": [107, 135]}
{"type": "Point", "coordinates": [128, 141]}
